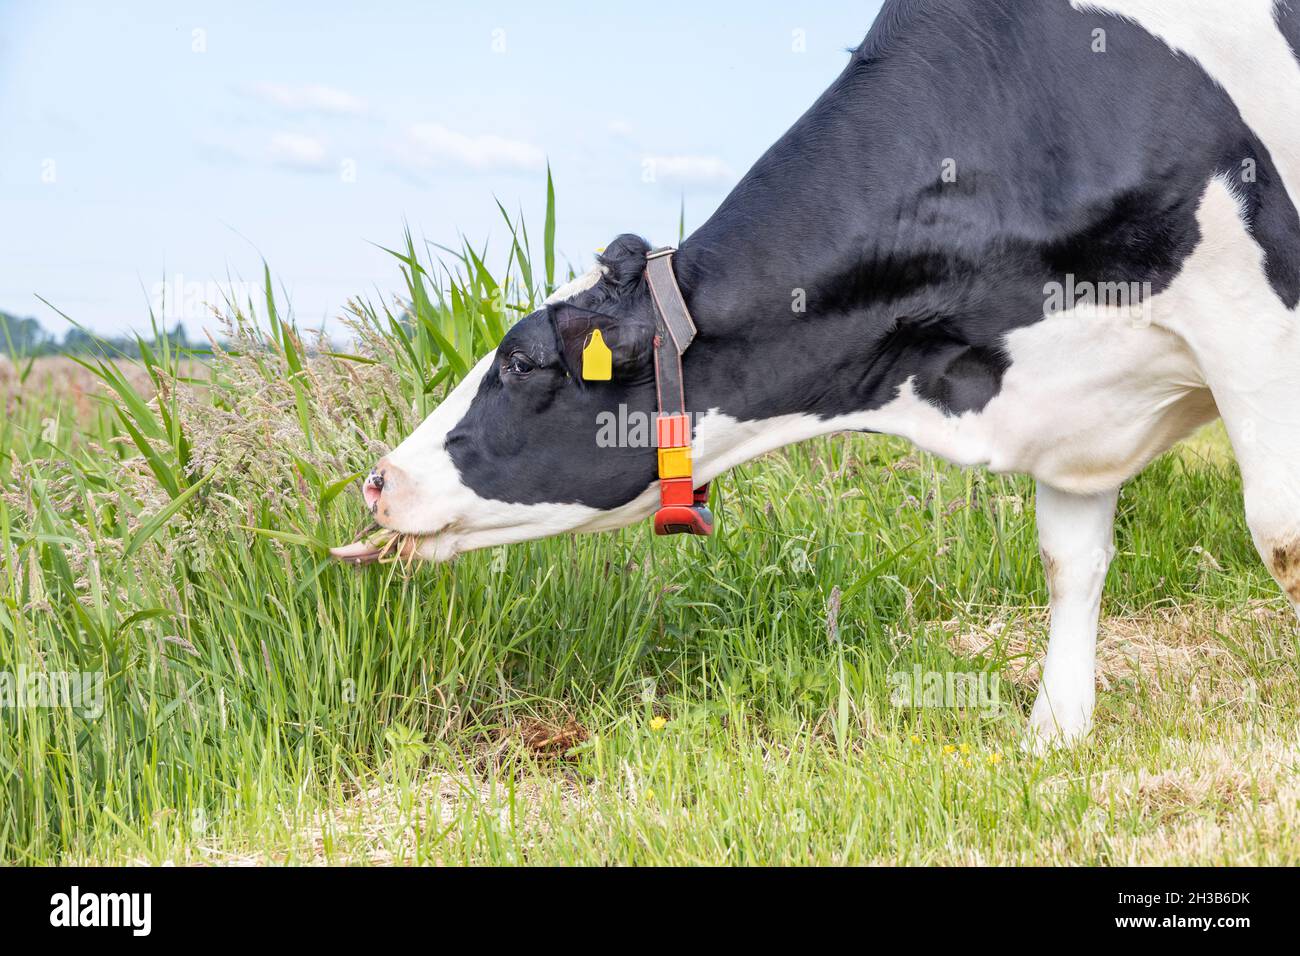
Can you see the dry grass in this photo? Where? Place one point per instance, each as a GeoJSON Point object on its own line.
{"type": "Point", "coordinates": [423, 820]}
{"type": "Point", "coordinates": [59, 381]}
{"type": "Point", "coordinates": [1167, 646]}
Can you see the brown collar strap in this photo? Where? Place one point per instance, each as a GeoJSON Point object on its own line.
{"type": "Point", "coordinates": [683, 508]}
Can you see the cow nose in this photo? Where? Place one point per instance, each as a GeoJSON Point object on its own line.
{"type": "Point", "coordinates": [373, 487]}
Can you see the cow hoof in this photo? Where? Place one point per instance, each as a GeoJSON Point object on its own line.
{"type": "Point", "coordinates": [1056, 728]}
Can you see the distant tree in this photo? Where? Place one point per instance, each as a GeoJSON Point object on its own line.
{"type": "Point", "coordinates": [77, 342]}
{"type": "Point", "coordinates": [26, 337]}
{"type": "Point", "coordinates": [23, 336]}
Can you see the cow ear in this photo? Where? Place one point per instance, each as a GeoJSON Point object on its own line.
{"type": "Point", "coordinates": [630, 343]}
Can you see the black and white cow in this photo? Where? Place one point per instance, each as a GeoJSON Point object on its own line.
{"type": "Point", "coordinates": [961, 215]}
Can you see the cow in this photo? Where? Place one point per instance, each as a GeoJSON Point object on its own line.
{"type": "Point", "coordinates": [1050, 238]}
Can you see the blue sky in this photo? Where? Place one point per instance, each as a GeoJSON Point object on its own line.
{"type": "Point", "coordinates": [182, 142]}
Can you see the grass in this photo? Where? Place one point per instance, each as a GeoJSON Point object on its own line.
{"type": "Point", "coordinates": [601, 699]}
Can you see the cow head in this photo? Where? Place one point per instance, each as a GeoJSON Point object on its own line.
{"type": "Point", "coordinates": [513, 453]}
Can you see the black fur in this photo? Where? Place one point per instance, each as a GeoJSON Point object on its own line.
{"type": "Point", "coordinates": [1068, 161]}
{"type": "Point", "coordinates": [1287, 14]}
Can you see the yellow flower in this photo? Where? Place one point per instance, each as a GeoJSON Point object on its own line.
{"type": "Point", "coordinates": [949, 749]}
{"type": "Point", "coordinates": [994, 758]}
{"type": "Point", "coordinates": [965, 749]}
{"type": "Point", "coordinates": [649, 796]}
{"type": "Point", "coordinates": [965, 761]}
{"type": "Point", "coordinates": [916, 739]}
{"type": "Point", "coordinates": [657, 723]}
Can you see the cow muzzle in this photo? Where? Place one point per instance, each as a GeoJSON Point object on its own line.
{"type": "Point", "coordinates": [402, 503]}
{"type": "Point", "coordinates": [396, 502]}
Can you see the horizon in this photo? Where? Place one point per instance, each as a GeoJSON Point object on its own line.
{"type": "Point", "coordinates": [311, 144]}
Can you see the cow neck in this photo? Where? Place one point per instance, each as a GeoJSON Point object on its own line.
{"type": "Point", "coordinates": [755, 289]}
{"type": "Point", "coordinates": [771, 276]}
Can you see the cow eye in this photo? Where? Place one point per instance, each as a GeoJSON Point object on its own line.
{"type": "Point", "coordinates": [519, 364]}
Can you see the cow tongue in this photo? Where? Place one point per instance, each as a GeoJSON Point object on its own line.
{"type": "Point", "coordinates": [376, 545]}
{"type": "Point", "coordinates": [358, 552]}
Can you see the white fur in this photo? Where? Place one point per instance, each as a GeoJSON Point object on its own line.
{"type": "Point", "coordinates": [578, 284]}
{"type": "Point", "coordinates": [1074, 535]}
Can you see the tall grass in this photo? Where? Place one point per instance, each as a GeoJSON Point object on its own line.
{"type": "Point", "coordinates": [172, 538]}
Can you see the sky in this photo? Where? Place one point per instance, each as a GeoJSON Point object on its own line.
{"type": "Point", "coordinates": [171, 147]}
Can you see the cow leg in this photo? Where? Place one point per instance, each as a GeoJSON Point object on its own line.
{"type": "Point", "coordinates": [1268, 452]}
{"type": "Point", "coordinates": [1246, 341]}
{"type": "Point", "coordinates": [1253, 381]}
{"type": "Point", "coordinates": [1075, 541]}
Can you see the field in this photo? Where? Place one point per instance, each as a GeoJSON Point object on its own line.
{"type": "Point", "coordinates": [611, 699]}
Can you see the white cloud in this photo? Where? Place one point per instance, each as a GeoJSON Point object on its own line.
{"type": "Point", "coordinates": [298, 151]}
{"type": "Point", "coordinates": [694, 170]}
{"type": "Point", "coordinates": [310, 98]}
{"type": "Point", "coordinates": [431, 144]}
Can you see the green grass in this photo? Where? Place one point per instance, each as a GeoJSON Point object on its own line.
{"type": "Point", "coordinates": [262, 702]}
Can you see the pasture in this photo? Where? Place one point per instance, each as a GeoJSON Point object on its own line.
{"type": "Point", "coordinates": [612, 699]}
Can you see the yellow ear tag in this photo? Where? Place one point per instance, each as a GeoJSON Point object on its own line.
{"type": "Point", "coordinates": [597, 359]}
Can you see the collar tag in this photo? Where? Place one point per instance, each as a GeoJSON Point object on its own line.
{"type": "Point", "coordinates": [683, 508]}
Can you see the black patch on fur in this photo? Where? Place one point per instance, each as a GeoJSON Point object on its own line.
{"type": "Point", "coordinates": [1288, 21]}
